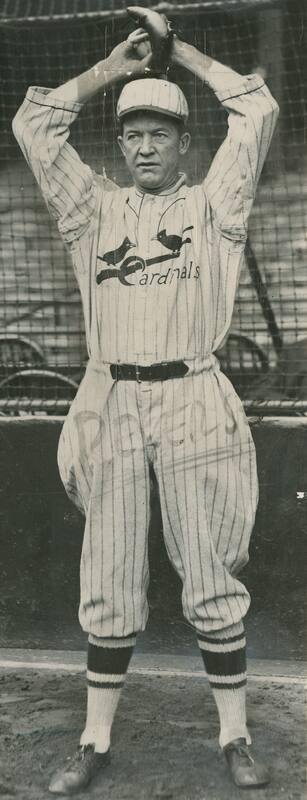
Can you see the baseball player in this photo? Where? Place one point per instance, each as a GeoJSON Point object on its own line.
{"type": "Point", "coordinates": [158, 265]}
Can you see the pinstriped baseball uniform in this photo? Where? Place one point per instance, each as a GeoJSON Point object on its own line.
{"type": "Point", "coordinates": [158, 276]}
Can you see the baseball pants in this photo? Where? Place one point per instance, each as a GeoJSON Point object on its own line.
{"type": "Point", "coordinates": [194, 432]}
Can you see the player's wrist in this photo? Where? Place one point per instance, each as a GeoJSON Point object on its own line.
{"type": "Point", "coordinates": [187, 56]}
{"type": "Point", "coordinates": [104, 73]}
{"type": "Point", "coordinates": [180, 52]}
{"type": "Point", "coordinates": [86, 85]}
{"type": "Point", "coordinates": [184, 54]}
{"type": "Point", "coordinates": [112, 72]}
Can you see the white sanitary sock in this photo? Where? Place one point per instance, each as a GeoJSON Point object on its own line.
{"type": "Point", "coordinates": [108, 661]}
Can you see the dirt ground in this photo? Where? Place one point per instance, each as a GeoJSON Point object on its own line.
{"type": "Point", "coordinates": [164, 738]}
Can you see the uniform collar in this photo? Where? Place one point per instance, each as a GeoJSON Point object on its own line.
{"type": "Point", "coordinates": [182, 179]}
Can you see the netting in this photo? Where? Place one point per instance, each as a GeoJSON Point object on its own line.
{"type": "Point", "coordinates": [42, 342]}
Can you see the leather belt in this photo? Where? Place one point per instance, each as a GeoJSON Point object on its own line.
{"type": "Point", "coordinates": [155, 372]}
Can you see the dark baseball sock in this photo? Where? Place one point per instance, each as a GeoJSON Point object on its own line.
{"type": "Point", "coordinates": [224, 657]}
{"type": "Point", "coordinates": [107, 664]}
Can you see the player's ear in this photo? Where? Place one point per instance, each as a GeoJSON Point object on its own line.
{"type": "Point", "coordinates": [184, 144]}
{"type": "Point", "coordinates": [121, 144]}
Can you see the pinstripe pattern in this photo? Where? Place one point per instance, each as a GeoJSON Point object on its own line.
{"type": "Point", "coordinates": [161, 95]}
{"type": "Point", "coordinates": [158, 276]}
{"type": "Point", "coordinates": [203, 455]}
{"type": "Point", "coordinates": [176, 308]}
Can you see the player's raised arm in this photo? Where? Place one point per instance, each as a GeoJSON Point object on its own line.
{"type": "Point", "coordinates": [42, 128]}
{"type": "Point", "coordinates": [252, 114]}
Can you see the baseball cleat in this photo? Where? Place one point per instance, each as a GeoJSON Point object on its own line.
{"type": "Point", "coordinates": [245, 771]}
{"type": "Point", "coordinates": [79, 770]}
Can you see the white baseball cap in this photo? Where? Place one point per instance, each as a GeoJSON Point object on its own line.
{"type": "Point", "coordinates": [153, 94]}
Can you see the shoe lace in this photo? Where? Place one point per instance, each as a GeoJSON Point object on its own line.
{"type": "Point", "coordinates": [78, 756]}
{"type": "Point", "coordinates": [242, 750]}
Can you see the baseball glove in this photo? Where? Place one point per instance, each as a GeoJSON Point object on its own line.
{"type": "Point", "coordinates": [160, 34]}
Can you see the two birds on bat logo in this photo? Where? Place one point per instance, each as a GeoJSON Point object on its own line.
{"type": "Point", "coordinates": [120, 265]}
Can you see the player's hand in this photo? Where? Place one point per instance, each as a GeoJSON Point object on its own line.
{"type": "Point", "coordinates": [132, 57]}
{"type": "Point", "coordinates": [160, 32]}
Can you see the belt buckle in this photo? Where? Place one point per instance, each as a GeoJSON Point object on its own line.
{"type": "Point", "coordinates": [137, 373]}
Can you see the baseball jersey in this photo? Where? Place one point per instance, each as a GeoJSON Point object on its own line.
{"type": "Point", "coordinates": [157, 273]}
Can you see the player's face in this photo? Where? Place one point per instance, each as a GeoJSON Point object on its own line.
{"type": "Point", "coordinates": [152, 145]}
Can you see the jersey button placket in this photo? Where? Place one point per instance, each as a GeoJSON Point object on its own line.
{"type": "Point", "coordinates": [143, 323]}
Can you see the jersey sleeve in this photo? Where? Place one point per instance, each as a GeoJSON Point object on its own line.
{"type": "Point", "coordinates": [232, 179]}
{"type": "Point", "coordinates": [42, 127]}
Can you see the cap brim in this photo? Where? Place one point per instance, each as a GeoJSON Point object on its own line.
{"type": "Point", "coordinates": [156, 109]}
